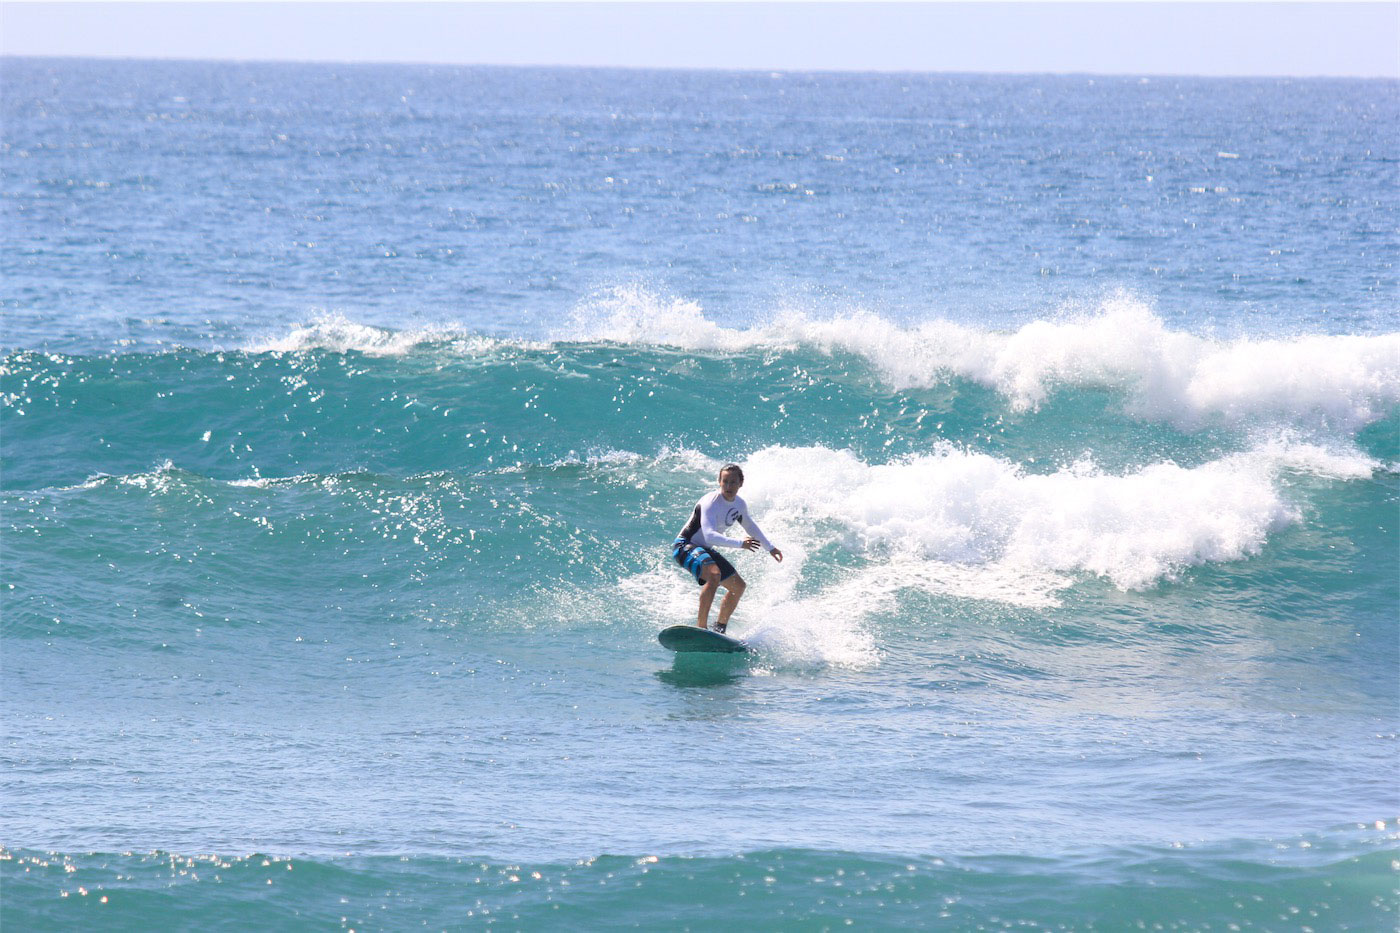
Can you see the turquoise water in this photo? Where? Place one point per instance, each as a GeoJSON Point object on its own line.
{"type": "Point", "coordinates": [348, 414]}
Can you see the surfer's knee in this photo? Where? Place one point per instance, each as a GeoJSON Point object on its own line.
{"type": "Point", "coordinates": [711, 574]}
{"type": "Point", "coordinates": [735, 584]}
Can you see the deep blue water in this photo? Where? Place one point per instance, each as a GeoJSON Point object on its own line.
{"type": "Point", "coordinates": [348, 412]}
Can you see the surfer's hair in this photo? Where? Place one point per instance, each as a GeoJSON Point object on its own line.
{"type": "Point", "coordinates": [731, 468]}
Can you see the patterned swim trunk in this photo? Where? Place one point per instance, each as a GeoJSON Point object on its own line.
{"type": "Point", "coordinates": [693, 558]}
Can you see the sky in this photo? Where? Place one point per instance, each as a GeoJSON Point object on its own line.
{"type": "Point", "coordinates": [1183, 38]}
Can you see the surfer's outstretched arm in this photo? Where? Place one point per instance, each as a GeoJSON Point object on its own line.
{"type": "Point", "coordinates": [758, 539]}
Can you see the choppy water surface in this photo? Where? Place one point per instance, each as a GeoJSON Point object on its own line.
{"type": "Point", "coordinates": [348, 413]}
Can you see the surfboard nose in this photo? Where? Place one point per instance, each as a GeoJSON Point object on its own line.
{"type": "Point", "coordinates": [694, 638]}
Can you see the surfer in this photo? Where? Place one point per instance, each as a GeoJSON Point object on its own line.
{"type": "Point", "coordinates": [694, 547]}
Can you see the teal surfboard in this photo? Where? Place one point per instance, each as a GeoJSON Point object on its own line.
{"type": "Point", "coordinates": [695, 638]}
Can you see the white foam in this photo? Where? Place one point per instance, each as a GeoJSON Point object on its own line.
{"type": "Point", "coordinates": [158, 479]}
{"type": "Point", "coordinates": [822, 631]}
{"type": "Point", "coordinates": [967, 525]}
{"type": "Point", "coordinates": [1287, 451]}
{"type": "Point", "coordinates": [1319, 382]}
{"type": "Point", "coordinates": [280, 482]}
{"type": "Point", "coordinates": [971, 525]}
{"type": "Point", "coordinates": [634, 315]}
{"type": "Point", "coordinates": [825, 630]}
{"type": "Point", "coordinates": [669, 459]}
{"type": "Point", "coordinates": [1340, 382]}
{"type": "Point", "coordinates": [336, 333]}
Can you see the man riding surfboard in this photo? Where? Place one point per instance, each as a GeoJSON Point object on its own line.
{"type": "Point", "coordinates": [694, 547]}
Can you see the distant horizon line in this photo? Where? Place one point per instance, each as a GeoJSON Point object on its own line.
{"type": "Point", "coordinates": [777, 72]}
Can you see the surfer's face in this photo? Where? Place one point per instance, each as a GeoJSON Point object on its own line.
{"type": "Point", "coordinates": [729, 484]}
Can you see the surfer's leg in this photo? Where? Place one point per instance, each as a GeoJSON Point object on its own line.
{"type": "Point", "coordinates": [707, 594]}
{"type": "Point", "coordinates": [733, 590]}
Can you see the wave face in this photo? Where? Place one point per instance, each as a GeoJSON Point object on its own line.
{"type": "Point", "coordinates": [941, 472]}
{"type": "Point", "coordinates": [344, 432]}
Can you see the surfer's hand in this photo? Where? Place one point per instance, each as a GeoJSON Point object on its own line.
{"type": "Point", "coordinates": [777, 555]}
{"type": "Point", "coordinates": [751, 544]}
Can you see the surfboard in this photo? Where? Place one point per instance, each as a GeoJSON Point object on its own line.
{"type": "Point", "coordinates": [695, 638]}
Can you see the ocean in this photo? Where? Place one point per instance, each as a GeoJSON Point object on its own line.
{"type": "Point", "coordinates": [347, 414]}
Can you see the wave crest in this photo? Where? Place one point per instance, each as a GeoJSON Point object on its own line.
{"type": "Point", "coordinates": [973, 525]}
{"type": "Point", "coordinates": [1339, 382]}
{"type": "Point", "coordinates": [338, 334]}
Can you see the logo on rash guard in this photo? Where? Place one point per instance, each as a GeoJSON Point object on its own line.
{"type": "Point", "coordinates": [733, 516]}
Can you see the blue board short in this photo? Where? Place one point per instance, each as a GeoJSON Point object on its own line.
{"type": "Point", "coordinates": [693, 557]}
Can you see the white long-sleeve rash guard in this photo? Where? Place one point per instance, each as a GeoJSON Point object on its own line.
{"type": "Point", "coordinates": [712, 514]}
